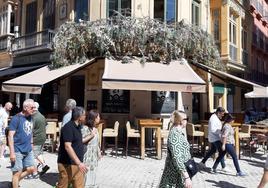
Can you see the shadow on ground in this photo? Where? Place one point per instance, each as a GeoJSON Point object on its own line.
{"type": "Point", "coordinates": [224, 184]}
{"type": "Point", "coordinates": [49, 178]}
{"type": "Point", "coordinates": [4, 184]}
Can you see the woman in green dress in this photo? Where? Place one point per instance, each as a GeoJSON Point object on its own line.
{"type": "Point", "coordinates": [92, 149]}
{"type": "Point", "coordinates": [175, 174]}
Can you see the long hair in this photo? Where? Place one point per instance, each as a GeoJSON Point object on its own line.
{"type": "Point", "coordinates": [92, 115]}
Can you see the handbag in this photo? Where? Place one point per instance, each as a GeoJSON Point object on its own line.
{"type": "Point", "coordinates": [191, 167]}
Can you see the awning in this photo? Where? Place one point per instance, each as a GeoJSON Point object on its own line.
{"type": "Point", "coordinates": [258, 92]}
{"type": "Point", "coordinates": [33, 82]}
{"type": "Point", "coordinates": [224, 75]}
{"type": "Point", "coordinates": [152, 76]}
{"type": "Point", "coordinates": [15, 70]}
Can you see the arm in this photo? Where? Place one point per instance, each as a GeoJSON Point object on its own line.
{"type": "Point", "coordinates": [224, 138]}
{"type": "Point", "coordinates": [11, 145]}
{"type": "Point", "coordinates": [264, 179]}
{"type": "Point", "coordinates": [73, 156]}
{"type": "Point", "coordinates": [89, 137]}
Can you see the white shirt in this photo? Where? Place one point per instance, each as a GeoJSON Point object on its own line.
{"type": "Point", "coordinates": [214, 128]}
{"type": "Point", "coordinates": [3, 120]}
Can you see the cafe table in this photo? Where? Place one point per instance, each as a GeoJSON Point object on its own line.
{"type": "Point", "coordinates": [155, 124]}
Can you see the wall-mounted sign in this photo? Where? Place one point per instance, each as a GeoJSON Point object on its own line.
{"type": "Point", "coordinates": [115, 101]}
{"type": "Point", "coordinates": [164, 102]}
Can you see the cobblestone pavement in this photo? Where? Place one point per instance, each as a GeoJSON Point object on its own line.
{"type": "Point", "coordinates": [133, 172]}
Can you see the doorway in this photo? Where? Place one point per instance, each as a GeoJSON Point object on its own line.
{"type": "Point", "coordinates": [77, 89]}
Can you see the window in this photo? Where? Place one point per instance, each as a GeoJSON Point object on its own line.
{"type": "Point", "coordinates": [196, 12]}
{"type": "Point", "coordinates": [31, 15]}
{"type": "Point", "coordinates": [216, 27]}
{"type": "Point", "coordinates": [81, 10]}
{"type": "Point", "coordinates": [49, 14]}
{"type": "Point", "coordinates": [165, 10]}
{"type": "Point", "coordinates": [232, 29]}
{"type": "Point", "coordinates": [121, 6]}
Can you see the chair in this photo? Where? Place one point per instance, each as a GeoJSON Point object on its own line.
{"type": "Point", "coordinates": [131, 133]}
{"type": "Point", "coordinates": [112, 133]}
{"type": "Point", "coordinates": [243, 135]}
{"type": "Point", "coordinates": [51, 132]}
{"type": "Point", "coordinates": [206, 142]}
{"type": "Point", "coordinates": [190, 128]}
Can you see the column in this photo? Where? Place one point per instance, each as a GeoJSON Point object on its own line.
{"type": "Point", "coordinates": [9, 11]}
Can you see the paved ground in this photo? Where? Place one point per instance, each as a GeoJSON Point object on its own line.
{"type": "Point", "coordinates": [134, 172]}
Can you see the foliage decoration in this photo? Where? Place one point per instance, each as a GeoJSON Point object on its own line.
{"type": "Point", "coordinates": [120, 37]}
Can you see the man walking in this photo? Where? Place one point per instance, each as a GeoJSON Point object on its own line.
{"type": "Point", "coordinates": [214, 132]}
{"type": "Point", "coordinates": [4, 114]}
{"type": "Point", "coordinates": [20, 139]}
{"type": "Point", "coordinates": [70, 156]}
{"type": "Point", "coordinates": [69, 106]}
{"type": "Point", "coordinates": [39, 138]}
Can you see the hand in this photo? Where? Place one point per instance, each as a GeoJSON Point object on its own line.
{"type": "Point", "coordinates": [188, 183]}
{"type": "Point", "coordinates": [83, 168]}
{"type": "Point", "coordinates": [223, 148]}
{"type": "Point", "coordinates": [12, 157]}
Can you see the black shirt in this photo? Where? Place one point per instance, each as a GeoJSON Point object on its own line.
{"type": "Point", "coordinates": [70, 133]}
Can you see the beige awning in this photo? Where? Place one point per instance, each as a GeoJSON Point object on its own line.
{"type": "Point", "coordinates": [33, 82]}
{"type": "Point", "coordinates": [152, 76]}
{"type": "Point", "coordinates": [225, 75]}
{"type": "Point", "coordinates": [258, 92]}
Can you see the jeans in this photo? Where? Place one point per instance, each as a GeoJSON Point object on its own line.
{"type": "Point", "coordinates": [214, 147]}
{"type": "Point", "coordinates": [229, 148]}
{"type": "Point", "coordinates": [23, 161]}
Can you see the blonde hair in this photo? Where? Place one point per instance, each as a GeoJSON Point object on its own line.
{"type": "Point", "coordinates": [176, 117]}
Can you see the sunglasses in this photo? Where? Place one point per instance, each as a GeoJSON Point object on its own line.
{"type": "Point", "coordinates": [187, 119]}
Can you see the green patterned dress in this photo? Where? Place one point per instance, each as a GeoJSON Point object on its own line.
{"type": "Point", "coordinates": [91, 157]}
{"type": "Point", "coordinates": [178, 153]}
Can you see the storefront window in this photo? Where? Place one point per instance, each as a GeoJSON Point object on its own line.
{"type": "Point", "coordinates": [163, 102]}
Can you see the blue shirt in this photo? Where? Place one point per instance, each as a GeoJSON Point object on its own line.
{"type": "Point", "coordinates": [22, 126]}
{"type": "Point", "coordinates": [66, 118]}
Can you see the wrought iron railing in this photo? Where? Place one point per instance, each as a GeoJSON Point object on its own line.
{"type": "Point", "coordinates": [5, 42]}
{"type": "Point", "coordinates": [233, 52]}
{"type": "Point", "coordinates": [38, 39]}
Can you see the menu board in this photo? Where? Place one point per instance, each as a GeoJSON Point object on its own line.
{"type": "Point", "coordinates": [115, 101]}
{"type": "Point", "coordinates": [164, 102]}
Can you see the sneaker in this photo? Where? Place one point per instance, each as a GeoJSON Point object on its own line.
{"type": "Point", "coordinates": [241, 174]}
{"type": "Point", "coordinates": [44, 170]}
{"type": "Point", "coordinates": [202, 165]}
{"type": "Point", "coordinates": [213, 171]}
{"type": "Point", "coordinates": [225, 169]}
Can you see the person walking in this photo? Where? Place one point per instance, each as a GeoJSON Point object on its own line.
{"type": "Point", "coordinates": [70, 156]}
{"type": "Point", "coordinates": [4, 114]}
{"type": "Point", "coordinates": [214, 132]}
{"type": "Point", "coordinates": [39, 138]}
{"type": "Point", "coordinates": [175, 173]}
{"type": "Point", "coordinates": [228, 145]}
{"type": "Point", "coordinates": [69, 106]}
{"type": "Point", "coordinates": [20, 139]}
{"type": "Point", "coordinates": [92, 152]}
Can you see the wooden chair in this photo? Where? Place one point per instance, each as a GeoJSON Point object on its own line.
{"type": "Point", "coordinates": [131, 133]}
{"type": "Point", "coordinates": [206, 142]}
{"type": "Point", "coordinates": [51, 132]}
{"type": "Point", "coordinates": [112, 133]}
{"type": "Point", "coordinates": [245, 138]}
{"type": "Point", "coordinates": [190, 128]}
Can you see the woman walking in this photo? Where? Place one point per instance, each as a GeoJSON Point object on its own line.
{"type": "Point", "coordinates": [92, 149]}
{"type": "Point", "coordinates": [175, 174]}
{"type": "Point", "coordinates": [228, 145]}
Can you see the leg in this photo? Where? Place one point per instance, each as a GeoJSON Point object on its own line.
{"type": "Point", "coordinates": [218, 145]}
{"type": "Point", "coordinates": [77, 177]}
{"type": "Point", "coordinates": [63, 176]}
{"type": "Point", "coordinates": [16, 178]}
{"type": "Point", "coordinates": [210, 153]}
{"type": "Point", "coordinates": [231, 150]}
{"type": "Point", "coordinates": [116, 147]}
{"type": "Point", "coordinates": [219, 159]}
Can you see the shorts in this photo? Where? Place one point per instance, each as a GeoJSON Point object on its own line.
{"type": "Point", "coordinates": [23, 160]}
{"type": "Point", "coordinates": [37, 150]}
{"type": "Point", "coordinates": [266, 164]}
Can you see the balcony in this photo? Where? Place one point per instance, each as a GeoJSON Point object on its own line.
{"type": "Point", "coordinates": [233, 52]}
{"type": "Point", "coordinates": [39, 41]}
{"type": "Point", "coordinates": [5, 42]}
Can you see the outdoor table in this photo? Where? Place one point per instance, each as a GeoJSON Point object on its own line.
{"type": "Point", "coordinates": [155, 124]}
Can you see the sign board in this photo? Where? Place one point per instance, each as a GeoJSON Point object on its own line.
{"type": "Point", "coordinates": [164, 102]}
{"type": "Point", "coordinates": [115, 101]}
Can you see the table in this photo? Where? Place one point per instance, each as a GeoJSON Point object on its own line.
{"type": "Point", "coordinates": [155, 124]}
